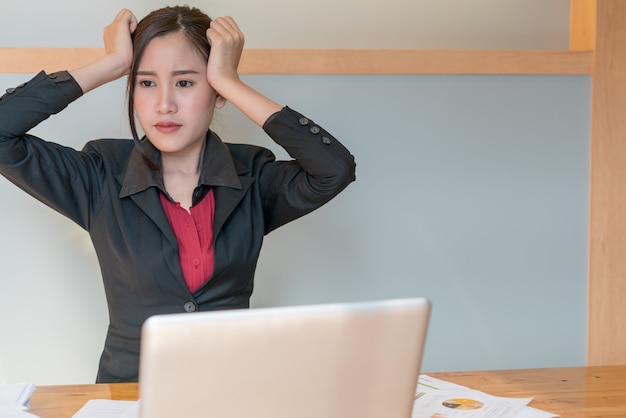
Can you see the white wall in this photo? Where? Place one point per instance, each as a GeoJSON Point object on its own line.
{"type": "Point", "coordinates": [471, 190]}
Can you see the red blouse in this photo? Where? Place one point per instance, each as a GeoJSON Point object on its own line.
{"type": "Point", "coordinates": [194, 232]}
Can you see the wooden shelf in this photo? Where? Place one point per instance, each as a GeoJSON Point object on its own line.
{"type": "Point", "coordinates": [340, 61]}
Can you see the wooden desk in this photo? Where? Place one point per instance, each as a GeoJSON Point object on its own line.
{"type": "Point", "coordinates": [598, 392]}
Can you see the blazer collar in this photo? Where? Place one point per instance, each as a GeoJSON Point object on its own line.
{"type": "Point", "coordinates": [218, 168]}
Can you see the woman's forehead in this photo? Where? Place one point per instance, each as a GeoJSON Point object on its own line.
{"type": "Point", "coordinates": [171, 49]}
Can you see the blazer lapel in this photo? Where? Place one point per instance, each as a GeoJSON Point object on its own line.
{"type": "Point", "coordinates": [140, 184]}
{"type": "Point", "coordinates": [150, 204]}
{"type": "Point", "coordinates": [226, 200]}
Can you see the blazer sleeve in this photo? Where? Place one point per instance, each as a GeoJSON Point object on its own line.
{"type": "Point", "coordinates": [321, 168]}
{"type": "Point", "coordinates": [54, 174]}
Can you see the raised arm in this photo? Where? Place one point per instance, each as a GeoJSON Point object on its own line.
{"type": "Point", "coordinates": [119, 54]}
{"type": "Point", "coordinates": [226, 47]}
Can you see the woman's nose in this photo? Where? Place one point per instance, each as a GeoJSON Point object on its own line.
{"type": "Point", "coordinates": [166, 103]}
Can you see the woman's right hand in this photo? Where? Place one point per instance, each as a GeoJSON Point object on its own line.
{"type": "Point", "coordinates": [117, 39]}
{"type": "Point", "coordinates": [119, 54]}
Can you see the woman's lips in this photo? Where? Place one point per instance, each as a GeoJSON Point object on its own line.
{"type": "Point", "coordinates": [167, 127]}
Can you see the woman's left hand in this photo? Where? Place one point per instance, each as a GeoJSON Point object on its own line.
{"type": "Point", "coordinates": [226, 47]}
{"type": "Point", "coordinates": [226, 41]}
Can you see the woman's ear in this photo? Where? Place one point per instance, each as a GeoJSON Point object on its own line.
{"type": "Point", "coordinates": [220, 102]}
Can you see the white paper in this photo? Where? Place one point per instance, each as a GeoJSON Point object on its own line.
{"type": "Point", "coordinates": [9, 409]}
{"type": "Point", "coordinates": [16, 393]}
{"type": "Point", "coordinates": [530, 412]}
{"type": "Point", "coordinates": [14, 400]}
{"type": "Point", "coordinates": [436, 398]}
{"type": "Point", "coordinates": [20, 414]}
{"type": "Point", "coordinates": [106, 408]}
{"type": "Point", "coordinates": [465, 403]}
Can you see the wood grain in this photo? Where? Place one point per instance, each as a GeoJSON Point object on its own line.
{"type": "Point", "coordinates": [573, 392]}
{"type": "Point", "coordinates": [607, 238]}
{"type": "Point", "coordinates": [338, 61]}
{"type": "Point", "coordinates": [582, 32]}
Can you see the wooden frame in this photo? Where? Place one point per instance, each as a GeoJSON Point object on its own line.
{"type": "Point", "coordinates": [582, 34]}
{"type": "Point", "coordinates": [607, 229]}
{"type": "Point", "coordinates": [576, 61]}
{"type": "Point", "coordinates": [597, 48]}
{"type": "Point", "coordinates": [338, 61]}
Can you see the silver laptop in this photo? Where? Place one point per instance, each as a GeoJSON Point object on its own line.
{"type": "Point", "coordinates": [358, 360]}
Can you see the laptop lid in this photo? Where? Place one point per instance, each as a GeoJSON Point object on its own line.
{"type": "Point", "coordinates": [346, 360]}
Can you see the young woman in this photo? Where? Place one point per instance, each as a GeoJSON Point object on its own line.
{"type": "Point", "coordinates": [177, 217]}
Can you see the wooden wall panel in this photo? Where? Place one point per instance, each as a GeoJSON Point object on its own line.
{"type": "Point", "coordinates": [607, 240]}
{"type": "Point", "coordinates": [582, 25]}
{"type": "Point", "coordinates": [338, 61]}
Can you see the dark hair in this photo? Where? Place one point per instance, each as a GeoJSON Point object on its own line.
{"type": "Point", "coordinates": [191, 22]}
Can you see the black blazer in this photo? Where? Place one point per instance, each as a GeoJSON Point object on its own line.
{"type": "Point", "coordinates": [107, 189]}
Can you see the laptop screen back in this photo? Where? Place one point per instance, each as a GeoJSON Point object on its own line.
{"type": "Point", "coordinates": [318, 361]}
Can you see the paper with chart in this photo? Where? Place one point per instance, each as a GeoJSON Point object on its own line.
{"type": "Point", "coordinates": [437, 398]}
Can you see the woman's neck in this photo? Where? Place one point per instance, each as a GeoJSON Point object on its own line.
{"type": "Point", "coordinates": [180, 177]}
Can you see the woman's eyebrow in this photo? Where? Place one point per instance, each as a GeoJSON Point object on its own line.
{"type": "Point", "coordinates": [177, 72]}
{"type": "Point", "coordinates": [184, 72]}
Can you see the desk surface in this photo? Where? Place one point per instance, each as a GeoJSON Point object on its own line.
{"type": "Point", "coordinates": [598, 392]}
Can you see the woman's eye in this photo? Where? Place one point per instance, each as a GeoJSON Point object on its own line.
{"type": "Point", "coordinates": [184, 83]}
{"type": "Point", "coordinates": [146, 83]}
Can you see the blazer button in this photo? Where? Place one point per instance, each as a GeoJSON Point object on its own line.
{"type": "Point", "coordinates": [314, 129]}
{"type": "Point", "coordinates": [303, 121]}
{"type": "Point", "coordinates": [326, 140]}
{"type": "Point", "coordinates": [11, 90]}
{"type": "Point", "coordinates": [190, 307]}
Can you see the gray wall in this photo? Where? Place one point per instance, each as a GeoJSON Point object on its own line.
{"type": "Point", "coordinates": [471, 191]}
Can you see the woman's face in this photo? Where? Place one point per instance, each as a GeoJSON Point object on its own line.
{"type": "Point", "coordinates": [173, 100]}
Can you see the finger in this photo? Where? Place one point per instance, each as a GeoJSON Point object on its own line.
{"type": "Point", "coordinates": [133, 23]}
{"type": "Point", "coordinates": [229, 21]}
{"type": "Point", "coordinates": [226, 22]}
{"type": "Point", "coordinates": [127, 17]}
{"type": "Point", "coordinates": [124, 15]}
{"type": "Point", "coordinates": [226, 26]}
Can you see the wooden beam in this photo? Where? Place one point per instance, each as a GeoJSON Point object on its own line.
{"type": "Point", "coordinates": [33, 60]}
{"type": "Point", "coordinates": [364, 61]}
{"type": "Point", "coordinates": [582, 25]}
{"type": "Point", "coordinates": [338, 61]}
{"type": "Point", "coordinates": [607, 238]}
